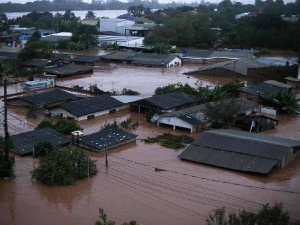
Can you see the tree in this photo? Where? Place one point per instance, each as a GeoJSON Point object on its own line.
{"type": "Point", "coordinates": [222, 113]}
{"type": "Point", "coordinates": [267, 215]}
{"type": "Point", "coordinates": [64, 167]}
{"type": "Point", "coordinates": [90, 15]}
{"type": "Point", "coordinates": [104, 221]}
{"type": "Point", "coordinates": [66, 126]}
{"type": "Point", "coordinates": [43, 148]}
{"type": "Point", "coordinates": [284, 100]}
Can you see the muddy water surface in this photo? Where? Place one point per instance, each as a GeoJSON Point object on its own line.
{"type": "Point", "coordinates": [183, 193]}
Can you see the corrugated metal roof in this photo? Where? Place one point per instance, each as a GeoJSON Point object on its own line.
{"type": "Point", "coordinates": [239, 150]}
{"type": "Point", "coordinates": [91, 105]}
{"type": "Point", "coordinates": [23, 143]}
{"type": "Point", "coordinates": [171, 100]}
{"type": "Point", "coordinates": [241, 145]}
{"type": "Point", "coordinates": [86, 58]}
{"type": "Point", "coordinates": [67, 70]}
{"type": "Point", "coordinates": [258, 137]}
{"type": "Point", "coordinates": [108, 137]}
{"type": "Point", "coordinates": [229, 160]}
{"type": "Point", "coordinates": [261, 88]}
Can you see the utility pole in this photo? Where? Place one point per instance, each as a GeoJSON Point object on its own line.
{"type": "Point", "coordinates": [6, 134]}
{"type": "Point", "coordinates": [106, 161]}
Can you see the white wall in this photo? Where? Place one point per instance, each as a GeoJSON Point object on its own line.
{"type": "Point", "coordinates": [175, 62]}
{"type": "Point", "coordinates": [115, 25]}
{"type": "Point", "coordinates": [68, 114]}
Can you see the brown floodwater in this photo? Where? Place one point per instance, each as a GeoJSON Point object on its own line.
{"type": "Point", "coordinates": [183, 193]}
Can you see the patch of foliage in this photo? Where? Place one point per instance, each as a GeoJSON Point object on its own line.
{"type": "Point", "coordinates": [110, 46]}
{"type": "Point", "coordinates": [63, 125]}
{"type": "Point", "coordinates": [222, 113]}
{"type": "Point", "coordinates": [171, 141]}
{"type": "Point", "coordinates": [129, 124]}
{"type": "Point", "coordinates": [178, 87]}
{"type": "Point", "coordinates": [64, 167]}
{"type": "Point", "coordinates": [268, 215]}
{"type": "Point", "coordinates": [66, 126]}
{"type": "Point", "coordinates": [94, 89]}
{"type": "Point", "coordinates": [104, 221]}
{"type": "Point", "coordinates": [126, 91]}
{"type": "Point", "coordinates": [285, 100]}
{"type": "Point", "coordinates": [35, 111]}
{"type": "Point", "coordinates": [232, 88]}
{"type": "Point", "coordinates": [43, 148]}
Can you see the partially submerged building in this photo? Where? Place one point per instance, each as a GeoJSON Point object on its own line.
{"type": "Point", "coordinates": [68, 70]}
{"type": "Point", "coordinates": [105, 139]}
{"type": "Point", "coordinates": [89, 108]}
{"type": "Point", "coordinates": [166, 102]}
{"type": "Point", "coordinates": [242, 151]}
{"type": "Point", "coordinates": [46, 99]}
{"type": "Point", "coordinates": [23, 144]}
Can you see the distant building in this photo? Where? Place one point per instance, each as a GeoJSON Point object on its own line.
{"type": "Point", "coordinates": [115, 25]}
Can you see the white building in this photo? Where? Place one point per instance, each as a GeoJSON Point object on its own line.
{"type": "Point", "coordinates": [115, 25]}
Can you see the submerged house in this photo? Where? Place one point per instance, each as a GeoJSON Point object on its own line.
{"type": "Point", "coordinates": [253, 92]}
{"type": "Point", "coordinates": [24, 142]}
{"type": "Point", "coordinates": [242, 151]}
{"type": "Point", "coordinates": [47, 99]}
{"type": "Point", "coordinates": [106, 139]}
{"type": "Point", "coordinates": [194, 119]}
{"type": "Point", "coordinates": [68, 70]}
{"type": "Point", "coordinates": [166, 102]}
{"type": "Point", "coordinates": [89, 108]}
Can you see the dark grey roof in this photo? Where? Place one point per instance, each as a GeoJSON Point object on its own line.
{"type": "Point", "coordinates": [61, 56]}
{"type": "Point", "coordinates": [110, 137]}
{"type": "Point", "coordinates": [258, 137]}
{"type": "Point", "coordinates": [152, 59]}
{"type": "Point", "coordinates": [197, 54]}
{"type": "Point", "coordinates": [171, 100]}
{"type": "Point", "coordinates": [198, 111]}
{"type": "Point", "coordinates": [86, 58]}
{"type": "Point", "coordinates": [229, 160]}
{"type": "Point", "coordinates": [91, 105]}
{"type": "Point", "coordinates": [262, 88]}
{"type": "Point", "coordinates": [119, 56]}
{"type": "Point", "coordinates": [68, 70]}
{"type": "Point", "coordinates": [23, 143]}
{"type": "Point", "coordinates": [238, 149]}
{"type": "Point", "coordinates": [48, 97]}
{"type": "Point", "coordinates": [37, 62]}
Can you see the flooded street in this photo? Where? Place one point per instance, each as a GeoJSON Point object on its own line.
{"type": "Point", "coordinates": [183, 193]}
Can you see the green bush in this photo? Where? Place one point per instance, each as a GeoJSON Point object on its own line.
{"type": "Point", "coordinates": [45, 123]}
{"type": "Point", "coordinates": [171, 141]}
{"type": "Point", "coordinates": [66, 126]}
{"type": "Point", "coordinates": [43, 148]}
{"type": "Point", "coordinates": [64, 167]}
{"type": "Point", "coordinates": [126, 91]}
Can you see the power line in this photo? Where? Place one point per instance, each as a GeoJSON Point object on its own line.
{"type": "Point", "coordinates": [209, 179]}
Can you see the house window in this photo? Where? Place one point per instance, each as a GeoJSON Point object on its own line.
{"type": "Point", "coordinates": [90, 116]}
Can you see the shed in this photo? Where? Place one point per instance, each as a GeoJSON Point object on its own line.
{"type": "Point", "coordinates": [107, 138]}
{"type": "Point", "coordinates": [89, 108]}
{"type": "Point", "coordinates": [47, 99]}
{"type": "Point", "coordinates": [69, 70]}
{"type": "Point", "coordinates": [242, 151]}
{"type": "Point", "coordinates": [166, 102]}
{"type": "Point", "coordinates": [23, 144]}
{"type": "Point", "coordinates": [253, 92]}
{"type": "Point", "coordinates": [257, 123]}
{"type": "Point", "coordinates": [155, 60]}
{"type": "Point", "coordinates": [87, 60]}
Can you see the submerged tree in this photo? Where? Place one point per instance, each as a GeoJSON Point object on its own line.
{"type": "Point", "coordinates": [267, 215]}
{"type": "Point", "coordinates": [64, 167]}
{"type": "Point", "coordinates": [284, 100]}
{"type": "Point", "coordinates": [104, 221]}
